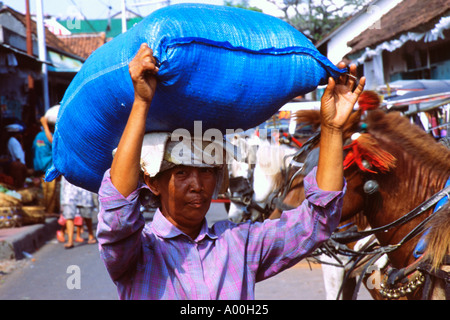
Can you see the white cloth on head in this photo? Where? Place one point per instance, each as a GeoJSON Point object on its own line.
{"type": "Point", "coordinates": [152, 152]}
{"type": "Point", "coordinates": [162, 150]}
{"type": "Point", "coordinates": [52, 114]}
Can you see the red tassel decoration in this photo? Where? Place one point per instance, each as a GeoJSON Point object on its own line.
{"type": "Point", "coordinates": [365, 147]}
{"type": "Point", "coordinates": [369, 100]}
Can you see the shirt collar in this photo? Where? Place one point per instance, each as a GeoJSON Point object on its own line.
{"type": "Point", "coordinates": [166, 230]}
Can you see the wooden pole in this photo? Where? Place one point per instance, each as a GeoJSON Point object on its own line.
{"type": "Point", "coordinates": [29, 40]}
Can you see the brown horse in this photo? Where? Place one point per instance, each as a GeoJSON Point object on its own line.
{"type": "Point", "coordinates": [405, 167]}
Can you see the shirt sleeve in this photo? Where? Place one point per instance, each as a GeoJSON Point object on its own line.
{"type": "Point", "coordinates": [119, 228]}
{"type": "Point", "coordinates": [275, 245]}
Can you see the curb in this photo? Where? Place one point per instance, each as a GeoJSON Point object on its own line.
{"type": "Point", "coordinates": [15, 243]}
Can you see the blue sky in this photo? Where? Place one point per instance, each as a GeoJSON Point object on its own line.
{"type": "Point", "coordinates": [99, 9]}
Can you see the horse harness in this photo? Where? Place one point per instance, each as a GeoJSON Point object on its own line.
{"type": "Point", "coordinates": [241, 193]}
{"type": "Point", "coordinates": [420, 272]}
{"type": "Point", "coordinates": [411, 277]}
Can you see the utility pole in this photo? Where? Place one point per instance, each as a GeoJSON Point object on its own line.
{"type": "Point", "coordinates": [124, 17]}
{"type": "Point", "coordinates": [29, 40]}
{"type": "Point", "coordinates": [42, 50]}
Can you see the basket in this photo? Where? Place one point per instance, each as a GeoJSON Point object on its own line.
{"type": "Point", "coordinates": [9, 201]}
{"type": "Point", "coordinates": [30, 195]}
{"type": "Point", "coordinates": [33, 215]}
{"type": "Point", "coordinates": [10, 217]}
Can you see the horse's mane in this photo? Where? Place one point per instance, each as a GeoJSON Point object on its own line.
{"type": "Point", "coordinates": [395, 129]}
{"type": "Point", "coordinates": [307, 117]}
{"type": "Point", "coordinates": [412, 138]}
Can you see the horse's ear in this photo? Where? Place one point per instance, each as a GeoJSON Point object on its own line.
{"type": "Point", "coordinates": [365, 147]}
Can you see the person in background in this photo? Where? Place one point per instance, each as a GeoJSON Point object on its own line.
{"type": "Point", "coordinates": [32, 128]}
{"type": "Point", "coordinates": [42, 161]}
{"type": "Point", "coordinates": [17, 167]}
{"type": "Point", "coordinates": [76, 201]}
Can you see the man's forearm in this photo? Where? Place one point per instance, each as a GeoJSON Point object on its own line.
{"type": "Point", "coordinates": [330, 172]}
{"type": "Point", "coordinates": [126, 163]}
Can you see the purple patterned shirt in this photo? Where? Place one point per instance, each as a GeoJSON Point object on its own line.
{"type": "Point", "coordinates": [158, 261]}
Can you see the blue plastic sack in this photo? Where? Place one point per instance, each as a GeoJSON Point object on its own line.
{"type": "Point", "coordinates": [228, 67]}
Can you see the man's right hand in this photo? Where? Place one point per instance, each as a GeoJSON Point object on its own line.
{"type": "Point", "coordinates": [142, 71]}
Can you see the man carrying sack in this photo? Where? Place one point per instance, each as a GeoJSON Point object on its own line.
{"type": "Point", "coordinates": [177, 256]}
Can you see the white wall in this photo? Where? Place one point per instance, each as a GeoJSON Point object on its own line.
{"type": "Point", "coordinates": [337, 45]}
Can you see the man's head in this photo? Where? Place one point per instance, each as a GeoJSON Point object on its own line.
{"type": "Point", "coordinates": [184, 173]}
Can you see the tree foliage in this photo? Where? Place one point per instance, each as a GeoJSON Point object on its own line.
{"type": "Point", "coordinates": [243, 4]}
{"type": "Point", "coordinates": [316, 18]}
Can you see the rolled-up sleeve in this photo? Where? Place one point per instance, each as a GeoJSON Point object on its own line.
{"type": "Point", "coordinates": [279, 244]}
{"type": "Point", "coordinates": [119, 228]}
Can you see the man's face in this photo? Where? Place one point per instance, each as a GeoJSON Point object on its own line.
{"type": "Point", "coordinates": [185, 194]}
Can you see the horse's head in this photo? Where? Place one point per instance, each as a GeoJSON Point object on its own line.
{"type": "Point", "coordinates": [391, 168]}
{"type": "Point", "coordinates": [253, 200]}
{"type": "Point", "coordinates": [365, 160]}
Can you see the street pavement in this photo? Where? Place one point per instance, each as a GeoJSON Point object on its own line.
{"type": "Point", "coordinates": [48, 274]}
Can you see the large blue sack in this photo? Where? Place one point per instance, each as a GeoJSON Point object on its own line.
{"type": "Point", "coordinates": [228, 67]}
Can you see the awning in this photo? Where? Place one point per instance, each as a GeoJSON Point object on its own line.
{"type": "Point", "coordinates": [17, 58]}
{"type": "Point", "coordinates": [437, 32]}
{"type": "Point", "coordinates": [417, 95]}
{"type": "Point", "coordinates": [419, 101]}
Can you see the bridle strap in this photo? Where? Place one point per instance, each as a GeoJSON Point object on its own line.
{"type": "Point", "coordinates": [351, 235]}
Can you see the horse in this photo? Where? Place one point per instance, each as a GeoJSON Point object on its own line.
{"type": "Point", "coordinates": [392, 167]}
{"type": "Point", "coordinates": [240, 176]}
